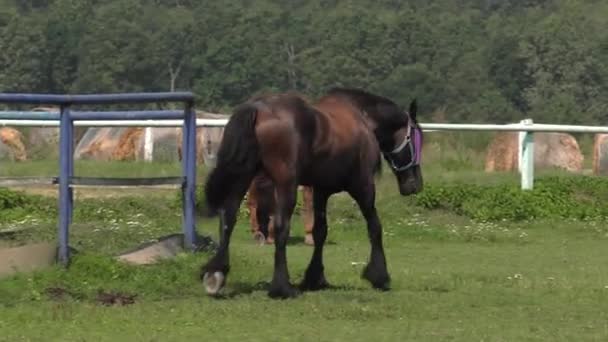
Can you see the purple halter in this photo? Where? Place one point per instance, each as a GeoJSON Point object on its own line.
{"type": "Point", "coordinates": [413, 140]}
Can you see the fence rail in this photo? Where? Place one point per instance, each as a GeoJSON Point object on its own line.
{"type": "Point", "coordinates": [526, 129]}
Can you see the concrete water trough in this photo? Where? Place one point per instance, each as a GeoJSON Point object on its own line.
{"type": "Point", "coordinates": [166, 247]}
{"type": "Point", "coordinates": [37, 256]}
{"type": "Point", "coordinates": [26, 258]}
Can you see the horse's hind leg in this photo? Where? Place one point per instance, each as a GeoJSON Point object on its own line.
{"type": "Point", "coordinates": [314, 278]}
{"type": "Point", "coordinates": [376, 271]}
{"type": "Point", "coordinates": [214, 273]}
{"type": "Point", "coordinates": [285, 204]}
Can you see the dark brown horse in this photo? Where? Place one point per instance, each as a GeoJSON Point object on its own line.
{"type": "Point", "coordinates": [334, 145]}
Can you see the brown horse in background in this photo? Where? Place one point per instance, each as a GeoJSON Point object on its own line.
{"type": "Point", "coordinates": [334, 145]}
{"type": "Point", "coordinates": [261, 202]}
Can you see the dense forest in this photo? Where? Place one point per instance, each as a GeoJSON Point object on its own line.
{"type": "Point", "coordinates": [465, 60]}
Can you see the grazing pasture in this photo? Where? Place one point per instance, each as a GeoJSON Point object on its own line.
{"type": "Point", "coordinates": [463, 267]}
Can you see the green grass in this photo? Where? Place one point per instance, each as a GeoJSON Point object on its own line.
{"type": "Point", "coordinates": [454, 279]}
{"type": "Point", "coordinates": [89, 168]}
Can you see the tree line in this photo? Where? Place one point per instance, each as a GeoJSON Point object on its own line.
{"type": "Point", "coordinates": [471, 61]}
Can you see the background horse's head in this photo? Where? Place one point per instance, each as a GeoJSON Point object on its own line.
{"type": "Point", "coordinates": [399, 136]}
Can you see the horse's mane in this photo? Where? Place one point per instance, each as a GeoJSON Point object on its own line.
{"type": "Point", "coordinates": [371, 103]}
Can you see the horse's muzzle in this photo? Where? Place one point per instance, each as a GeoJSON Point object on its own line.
{"type": "Point", "coordinates": [410, 188]}
{"type": "Point", "coordinates": [410, 181]}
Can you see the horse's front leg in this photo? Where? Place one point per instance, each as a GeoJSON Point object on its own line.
{"type": "Point", "coordinates": [376, 271]}
{"type": "Point", "coordinates": [214, 272]}
{"type": "Point", "coordinates": [314, 278]}
{"type": "Point", "coordinates": [286, 201]}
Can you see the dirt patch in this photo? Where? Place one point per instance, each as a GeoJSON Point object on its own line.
{"type": "Point", "coordinates": [115, 298]}
{"type": "Point", "coordinates": [59, 293]}
{"type": "Point", "coordinates": [107, 298]}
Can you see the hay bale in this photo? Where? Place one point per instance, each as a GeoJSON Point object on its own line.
{"type": "Point", "coordinates": [600, 154]}
{"type": "Point", "coordinates": [502, 153]}
{"type": "Point", "coordinates": [99, 143]}
{"type": "Point", "coordinates": [128, 144]}
{"type": "Point", "coordinates": [551, 150]}
{"type": "Point", "coordinates": [13, 140]}
{"type": "Point", "coordinates": [43, 138]}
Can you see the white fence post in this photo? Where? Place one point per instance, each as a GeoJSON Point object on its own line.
{"type": "Point", "coordinates": [148, 144]}
{"type": "Point", "coordinates": [526, 157]}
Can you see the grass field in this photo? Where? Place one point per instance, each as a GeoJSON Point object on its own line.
{"type": "Point", "coordinates": [453, 278]}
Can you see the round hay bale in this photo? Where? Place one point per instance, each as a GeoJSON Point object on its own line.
{"type": "Point", "coordinates": [502, 153]}
{"type": "Point", "coordinates": [13, 140]}
{"type": "Point", "coordinates": [551, 150]}
{"type": "Point", "coordinates": [43, 141]}
{"type": "Point", "coordinates": [98, 143]}
{"type": "Point", "coordinates": [128, 144]}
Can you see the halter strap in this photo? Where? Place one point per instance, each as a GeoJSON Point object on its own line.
{"type": "Point", "coordinates": [405, 140]}
{"type": "Point", "coordinates": [415, 149]}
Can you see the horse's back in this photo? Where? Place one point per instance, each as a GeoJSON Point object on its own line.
{"type": "Point", "coordinates": [285, 127]}
{"type": "Point", "coordinates": [345, 124]}
{"type": "Point", "coordinates": [325, 144]}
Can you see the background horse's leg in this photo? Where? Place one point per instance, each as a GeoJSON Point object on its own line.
{"type": "Point", "coordinates": [215, 271]}
{"type": "Point", "coordinates": [285, 204]}
{"type": "Point", "coordinates": [263, 218]}
{"type": "Point", "coordinates": [376, 271]}
{"type": "Point", "coordinates": [307, 200]}
{"type": "Point", "coordinates": [314, 278]}
{"type": "Point", "coordinates": [252, 205]}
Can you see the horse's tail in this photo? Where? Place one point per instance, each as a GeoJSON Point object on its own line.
{"type": "Point", "coordinates": [237, 158]}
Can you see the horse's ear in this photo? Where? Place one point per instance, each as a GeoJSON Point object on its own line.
{"type": "Point", "coordinates": [413, 109]}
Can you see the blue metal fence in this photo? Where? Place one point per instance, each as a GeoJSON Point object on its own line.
{"type": "Point", "coordinates": [66, 149]}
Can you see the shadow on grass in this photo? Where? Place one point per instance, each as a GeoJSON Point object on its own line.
{"type": "Point", "coordinates": [238, 289]}
{"type": "Point", "coordinates": [299, 240]}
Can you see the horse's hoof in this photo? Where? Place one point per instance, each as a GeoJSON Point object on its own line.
{"type": "Point", "coordinates": [213, 282]}
{"type": "Point", "coordinates": [308, 240]}
{"type": "Point", "coordinates": [259, 238]}
{"type": "Point", "coordinates": [380, 280]}
{"type": "Point", "coordinates": [283, 292]}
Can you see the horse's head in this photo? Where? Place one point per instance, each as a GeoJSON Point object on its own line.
{"type": "Point", "coordinates": [400, 138]}
{"type": "Point", "coordinates": [397, 132]}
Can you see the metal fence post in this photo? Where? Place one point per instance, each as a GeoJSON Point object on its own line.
{"type": "Point", "coordinates": [526, 157]}
{"type": "Point", "coordinates": [189, 171]}
{"type": "Point", "coordinates": [65, 141]}
{"type": "Point", "coordinates": [70, 167]}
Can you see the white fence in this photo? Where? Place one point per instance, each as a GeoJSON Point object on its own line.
{"type": "Point", "coordinates": [525, 127]}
